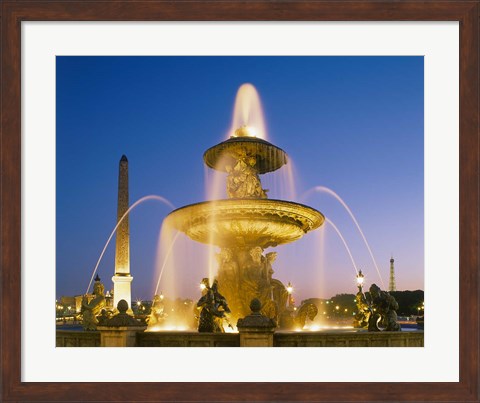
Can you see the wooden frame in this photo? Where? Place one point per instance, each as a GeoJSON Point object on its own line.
{"type": "Point", "coordinates": [13, 12]}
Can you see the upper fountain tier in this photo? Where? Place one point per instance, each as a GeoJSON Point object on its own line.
{"type": "Point", "coordinates": [247, 217]}
{"type": "Point", "coordinates": [268, 157]}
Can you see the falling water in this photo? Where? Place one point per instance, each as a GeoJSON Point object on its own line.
{"type": "Point", "coordinates": [288, 180]}
{"type": "Point", "coordinates": [281, 183]}
{"type": "Point", "coordinates": [339, 199]}
{"type": "Point", "coordinates": [319, 258]}
{"type": "Point", "coordinates": [171, 259]}
{"type": "Point", "coordinates": [248, 112]}
{"type": "Point", "coordinates": [215, 189]}
{"type": "Point", "coordinates": [344, 242]}
{"type": "Point", "coordinates": [165, 260]}
{"type": "Point", "coordinates": [139, 201]}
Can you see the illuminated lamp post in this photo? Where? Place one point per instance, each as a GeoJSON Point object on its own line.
{"type": "Point", "coordinates": [108, 301]}
{"type": "Point", "coordinates": [360, 280]}
{"type": "Point", "coordinates": [204, 285]}
{"type": "Point", "coordinates": [290, 296]}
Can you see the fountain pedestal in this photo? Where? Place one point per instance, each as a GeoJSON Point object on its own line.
{"type": "Point", "coordinates": [244, 274]}
{"type": "Point", "coordinates": [246, 223]}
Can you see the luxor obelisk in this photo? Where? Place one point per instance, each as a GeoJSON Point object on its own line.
{"type": "Point", "coordinates": [122, 279]}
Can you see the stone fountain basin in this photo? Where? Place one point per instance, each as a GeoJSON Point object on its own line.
{"type": "Point", "coordinates": [245, 222]}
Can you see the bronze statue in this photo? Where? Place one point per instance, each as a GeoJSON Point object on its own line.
{"type": "Point", "coordinates": [291, 319]}
{"type": "Point", "coordinates": [243, 180]}
{"type": "Point", "coordinates": [307, 310]}
{"type": "Point", "coordinates": [157, 314]}
{"type": "Point", "coordinates": [384, 311]}
{"type": "Point", "coordinates": [213, 309]}
{"type": "Point", "coordinates": [92, 309]}
{"type": "Point", "coordinates": [364, 311]}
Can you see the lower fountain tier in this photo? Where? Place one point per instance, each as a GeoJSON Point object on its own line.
{"type": "Point", "coordinates": [243, 222]}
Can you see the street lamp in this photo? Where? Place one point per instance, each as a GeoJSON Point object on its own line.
{"type": "Point", "coordinates": [205, 284]}
{"type": "Point", "coordinates": [289, 288]}
{"type": "Point", "coordinates": [108, 300]}
{"type": "Point", "coordinates": [290, 291]}
{"type": "Point", "coordinates": [360, 280]}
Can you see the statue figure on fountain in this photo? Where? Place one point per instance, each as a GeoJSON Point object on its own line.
{"type": "Point", "coordinates": [243, 180]}
{"type": "Point", "coordinates": [288, 317]}
{"type": "Point", "coordinates": [364, 311]}
{"type": "Point", "coordinates": [269, 307]}
{"type": "Point", "coordinates": [384, 306]}
{"type": "Point", "coordinates": [270, 258]}
{"type": "Point", "coordinates": [245, 273]}
{"type": "Point", "coordinates": [306, 311]}
{"type": "Point", "coordinates": [92, 309]}
{"type": "Point", "coordinates": [213, 307]}
{"type": "Point", "coordinates": [157, 314]}
{"type": "Point", "coordinates": [257, 281]}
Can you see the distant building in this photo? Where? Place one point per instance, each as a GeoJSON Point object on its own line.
{"type": "Point", "coordinates": [78, 301]}
{"type": "Point", "coordinates": [68, 302]}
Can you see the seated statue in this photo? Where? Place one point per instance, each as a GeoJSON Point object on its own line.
{"type": "Point", "coordinates": [221, 306]}
{"type": "Point", "coordinates": [92, 309]}
{"type": "Point", "coordinates": [228, 275]}
{"type": "Point", "coordinates": [243, 179]}
{"type": "Point", "coordinates": [385, 307]}
{"type": "Point", "coordinates": [280, 297]}
{"type": "Point", "coordinates": [157, 314]}
{"type": "Point", "coordinates": [307, 310]}
{"type": "Point", "coordinates": [364, 311]}
{"type": "Point", "coordinates": [213, 309]}
{"type": "Point", "coordinates": [291, 319]}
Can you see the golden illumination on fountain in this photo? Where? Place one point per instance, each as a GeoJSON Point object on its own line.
{"type": "Point", "coordinates": [247, 222]}
{"type": "Point", "coordinates": [247, 217]}
{"type": "Point", "coordinates": [248, 114]}
{"type": "Point", "coordinates": [245, 131]}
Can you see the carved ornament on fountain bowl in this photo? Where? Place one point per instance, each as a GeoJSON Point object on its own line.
{"type": "Point", "coordinates": [268, 157]}
{"type": "Point", "coordinates": [244, 222]}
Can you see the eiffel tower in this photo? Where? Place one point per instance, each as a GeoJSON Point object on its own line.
{"type": "Point", "coordinates": [391, 285]}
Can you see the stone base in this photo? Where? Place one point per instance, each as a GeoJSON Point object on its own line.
{"type": "Point", "coordinates": [122, 290]}
{"type": "Point", "coordinates": [358, 338]}
{"type": "Point", "coordinates": [256, 339]}
{"type": "Point", "coordinates": [256, 330]}
{"type": "Point", "coordinates": [125, 336]}
{"type": "Point", "coordinates": [113, 337]}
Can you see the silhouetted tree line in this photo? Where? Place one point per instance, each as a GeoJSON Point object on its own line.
{"type": "Point", "coordinates": [408, 302]}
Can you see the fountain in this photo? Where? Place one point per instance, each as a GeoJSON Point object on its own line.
{"type": "Point", "coordinates": [245, 224]}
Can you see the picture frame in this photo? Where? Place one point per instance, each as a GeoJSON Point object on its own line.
{"type": "Point", "coordinates": [14, 12]}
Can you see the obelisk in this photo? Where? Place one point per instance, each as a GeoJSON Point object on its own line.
{"type": "Point", "coordinates": [122, 279]}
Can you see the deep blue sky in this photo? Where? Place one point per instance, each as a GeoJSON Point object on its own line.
{"type": "Point", "coordinates": [353, 124]}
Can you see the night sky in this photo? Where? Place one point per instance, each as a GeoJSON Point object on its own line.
{"type": "Point", "coordinates": [351, 124]}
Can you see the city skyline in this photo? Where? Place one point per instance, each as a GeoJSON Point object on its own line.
{"type": "Point", "coordinates": [350, 124]}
